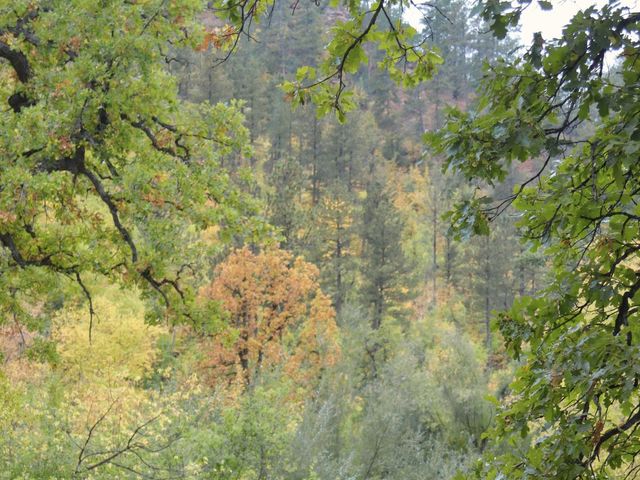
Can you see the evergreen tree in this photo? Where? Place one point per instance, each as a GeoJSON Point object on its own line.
{"type": "Point", "coordinates": [285, 205]}
{"type": "Point", "coordinates": [335, 234]}
{"type": "Point", "coordinates": [385, 272]}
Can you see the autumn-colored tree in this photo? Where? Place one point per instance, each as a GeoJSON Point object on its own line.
{"type": "Point", "coordinates": [335, 243]}
{"type": "Point", "coordinates": [278, 315]}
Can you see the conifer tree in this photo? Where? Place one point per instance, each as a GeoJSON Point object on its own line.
{"type": "Point", "coordinates": [385, 272]}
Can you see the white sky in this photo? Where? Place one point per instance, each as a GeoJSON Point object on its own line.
{"type": "Point", "coordinates": [534, 19]}
{"type": "Point", "coordinates": [550, 23]}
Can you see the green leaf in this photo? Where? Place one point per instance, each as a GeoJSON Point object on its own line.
{"type": "Point", "coordinates": [545, 5]}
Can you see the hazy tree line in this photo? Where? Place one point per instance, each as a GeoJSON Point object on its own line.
{"type": "Point", "coordinates": [365, 201]}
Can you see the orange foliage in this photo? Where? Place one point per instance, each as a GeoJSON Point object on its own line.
{"type": "Point", "coordinates": [218, 37]}
{"type": "Point", "coordinates": [278, 314]}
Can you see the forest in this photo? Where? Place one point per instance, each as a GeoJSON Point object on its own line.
{"type": "Point", "coordinates": [326, 240]}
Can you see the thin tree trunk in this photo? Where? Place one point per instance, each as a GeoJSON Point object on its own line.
{"type": "Point", "coordinates": [314, 175]}
{"type": "Point", "coordinates": [434, 253]}
{"type": "Point", "coordinates": [487, 292]}
{"type": "Point", "coordinates": [449, 259]}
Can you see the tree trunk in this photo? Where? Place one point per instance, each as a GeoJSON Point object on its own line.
{"type": "Point", "coordinates": [434, 253]}
{"type": "Point", "coordinates": [314, 175]}
{"type": "Point", "coordinates": [487, 292]}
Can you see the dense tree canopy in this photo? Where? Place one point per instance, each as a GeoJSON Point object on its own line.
{"type": "Point", "coordinates": [313, 316]}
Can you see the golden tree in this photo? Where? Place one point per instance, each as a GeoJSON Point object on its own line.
{"type": "Point", "coordinates": [278, 314]}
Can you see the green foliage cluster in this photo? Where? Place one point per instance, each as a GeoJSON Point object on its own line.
{"type": "Point", "coordinates": [574, 411]}
{"type": "Point", "coordinates": [104, 170]}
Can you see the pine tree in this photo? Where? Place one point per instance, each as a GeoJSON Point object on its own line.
{"type": "Point", "coordinates": [385, 272]}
